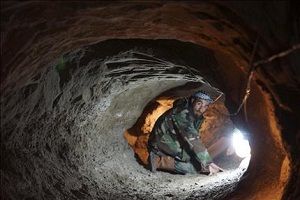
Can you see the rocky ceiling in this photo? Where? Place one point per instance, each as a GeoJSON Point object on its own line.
{"type": "Point", "coordinates": [76, 75]}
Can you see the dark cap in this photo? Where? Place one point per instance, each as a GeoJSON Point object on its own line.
{"type": "Point", "coordinates": [203, 95]}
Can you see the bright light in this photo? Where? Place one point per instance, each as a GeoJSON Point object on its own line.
{"type": "Point", "coordinates": [241, 145]}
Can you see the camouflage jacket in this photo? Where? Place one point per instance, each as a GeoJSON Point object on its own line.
{"type": "Point", "coordinates": [176, 133]}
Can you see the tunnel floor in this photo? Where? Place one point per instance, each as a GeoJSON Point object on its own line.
{"type": "Point", "coordinates": [136, 182]}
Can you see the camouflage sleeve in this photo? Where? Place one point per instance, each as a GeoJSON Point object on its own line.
{"type": "Point", "coordinates": [190, 135]}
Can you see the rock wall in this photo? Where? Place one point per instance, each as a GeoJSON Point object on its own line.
{"type": "Point", "coordinates": [67, 97]}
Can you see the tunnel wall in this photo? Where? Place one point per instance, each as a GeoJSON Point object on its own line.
{"type": "Point", "coordinates": [44, 36]}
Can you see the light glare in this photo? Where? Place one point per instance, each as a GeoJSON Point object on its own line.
{"type": "Point", "coordinates": [241, 145]}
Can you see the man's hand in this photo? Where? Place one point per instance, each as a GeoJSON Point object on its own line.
{"type": "Point", "coordinates": [213, 169]}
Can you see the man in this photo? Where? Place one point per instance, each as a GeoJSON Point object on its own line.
{"type": "Point", "coordinates": [174, 143]}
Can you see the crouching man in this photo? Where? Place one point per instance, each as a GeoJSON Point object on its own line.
{"type": "Point", "coordinates": [174, 144]}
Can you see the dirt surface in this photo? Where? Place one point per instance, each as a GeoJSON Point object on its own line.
{"type": "Point", "coordinates": [70, 88]}
{"type": "Point", "coordinates": [79, 149]}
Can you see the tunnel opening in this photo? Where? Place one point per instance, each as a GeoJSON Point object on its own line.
{"type": "Point", "coordinates": [88, 97]}
{"type": "Point", "coordinates": [217, 124]}
{"type": "Point", "coordinates": [232, 102]}
{"type": "Point", "coordinates": [66, 140]}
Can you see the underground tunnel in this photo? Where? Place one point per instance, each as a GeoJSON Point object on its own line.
{"type": "Point", "coordinates": [83, 82]}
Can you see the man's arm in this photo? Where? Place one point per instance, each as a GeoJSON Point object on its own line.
{"type": "Point", "coordinates": [190, 135]}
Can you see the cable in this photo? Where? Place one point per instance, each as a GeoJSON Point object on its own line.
{"type": "Point", "coordinates": [248, 88]}
{"type": "Point", "coordinates": [281, 54]}
{"type": "Point", "coordinates": [255, 66]}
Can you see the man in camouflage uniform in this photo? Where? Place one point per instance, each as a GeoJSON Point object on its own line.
{"type": "Point", "coordinates": [174, 143]}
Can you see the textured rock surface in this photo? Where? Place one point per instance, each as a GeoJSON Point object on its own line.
{"type": "Point", "coordinates": [66, 131]}
{"type": "Point", "coordinates": [66, 100]}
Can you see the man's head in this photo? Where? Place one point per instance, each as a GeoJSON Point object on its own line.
{"type": "Point", "coordinates": [200, 102]}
